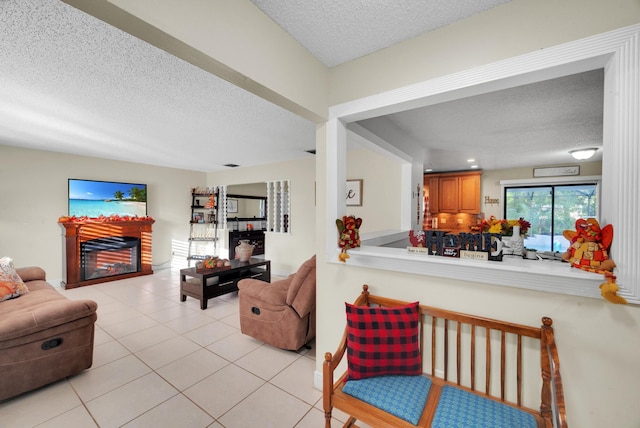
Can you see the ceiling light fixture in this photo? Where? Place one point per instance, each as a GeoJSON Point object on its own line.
{"type": "Point", "coordinates": [474, 166]}
{"type": "Point", "coordinates": [428, 170]}
{"type": "Point", "coordinates": [582, 154]}
{"type": "Point", "coordinates": [471, 160]}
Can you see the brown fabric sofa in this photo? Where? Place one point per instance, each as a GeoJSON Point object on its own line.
{"type": "Point", "coordinates": [281, 313]}
{"type": "Point", "coordinates": [44, 337]}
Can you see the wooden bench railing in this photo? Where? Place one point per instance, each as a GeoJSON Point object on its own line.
{"type": "Point", "coordinates": [488, 357]}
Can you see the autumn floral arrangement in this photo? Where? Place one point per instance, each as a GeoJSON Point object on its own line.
{"type": "Point", "coordinates": [502, 226]}
{"type": "Point", "coordinates": [102, 219]}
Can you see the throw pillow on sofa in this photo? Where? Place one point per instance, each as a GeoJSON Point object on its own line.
{"type": "Point", "coordinates": [11, 285]}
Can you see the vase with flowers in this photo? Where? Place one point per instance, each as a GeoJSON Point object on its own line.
{"type": "Point", "coordinates": [515, 230]}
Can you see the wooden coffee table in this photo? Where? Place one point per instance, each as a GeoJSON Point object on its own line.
{"type": "Point", "coordinates": [207, 283]}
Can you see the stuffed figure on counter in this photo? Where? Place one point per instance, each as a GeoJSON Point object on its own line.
{"type": "Point", "coordinates": [588, 250]}
{"type": "Point", "coordinates": [417, 238]}
{"type": "Point", "coordinates": [349, 230]}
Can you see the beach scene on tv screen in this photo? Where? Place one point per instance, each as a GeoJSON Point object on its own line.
{"type": "Point", "coordinates": [96, 198]}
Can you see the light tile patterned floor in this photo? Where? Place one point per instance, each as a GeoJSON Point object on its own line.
{"type": "Point", "coordinates": [159, 362]}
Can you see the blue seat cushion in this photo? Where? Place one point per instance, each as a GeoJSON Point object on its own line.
{"type": "Point", "coordinates": [462, 409]}
{"type": "Point", "coordinates": [401, 396]}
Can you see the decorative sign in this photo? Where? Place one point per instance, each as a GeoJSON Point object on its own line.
{"type": "Point", "coordinates": [474, 255]}
{"type": "Point", "coordinates": [470, 246]}
{"type": "Point", "coordinates": [491, 201]}
{"type": "Point", "coordinates": [451, 252]}
{"type": "Point", "coordinates": [418, 250]}
{"type": "Point", "coordinates": [556, 171]}
{"type": "Point", "coordinates": [354, 193]}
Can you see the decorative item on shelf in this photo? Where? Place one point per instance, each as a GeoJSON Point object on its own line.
{"type": "Point", "coordinates": [589, 251]}
{"type": "Point", "coordinates": [530, 253]}
{"type": "Point", "coordinates": [244, 250]}
{"type": "Point", "coordinates": [464, 245]}
{"type": "Point", "coordinates": [349, 230]}
{"type": "Point", "coordinates": [198, 217]}
{"type": "Point", "coordinates": [203, 190]}
{"type": "Point", "coordinates": [417, 238]}
{"type": "Point", "coordinates": [515, 229]}
{"type": "Point", "coordinates": [516, 242]}
{"type": "Point", "coordinates": [211, 203]}
{"type": "Point", "coordinates": [502, 226]}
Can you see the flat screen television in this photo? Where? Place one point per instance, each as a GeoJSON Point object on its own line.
{"type": "Point", "coordinates": [92, 198]}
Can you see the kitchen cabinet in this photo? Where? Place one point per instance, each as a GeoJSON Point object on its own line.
{"type": "Point", "coordinates": [448, 194]}
{"type": "Point", "coordinates": [433, 183]}
{"type": "Point", "coordinates": [469, 193]}
{"type": "Point", "coordinates": [453, 193]}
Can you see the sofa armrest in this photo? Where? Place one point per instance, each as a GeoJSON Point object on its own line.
{"type": "Point", "coordinates": [31, 273]}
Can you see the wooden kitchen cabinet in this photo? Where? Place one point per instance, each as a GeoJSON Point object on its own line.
{"type": "Point", "coordinates": [457, 192]}
{"type": "Point", "coordinates": [469, 199]}
{"type": "Point", "coordinates": [433, 183]}
{"type": "Point", "coordinates": [448, 193]}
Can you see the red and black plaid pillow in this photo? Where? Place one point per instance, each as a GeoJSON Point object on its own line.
{"type": "Point", "coordinates": [383, 341]}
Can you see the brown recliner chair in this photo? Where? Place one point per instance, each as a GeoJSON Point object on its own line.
{"type": "Point", "coordinates": [281, 313]}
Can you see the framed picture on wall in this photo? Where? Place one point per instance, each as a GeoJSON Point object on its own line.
{"type": "Point", "coordinates": [354, 193]}
{"type": "Point", "coordinates": [232, 205]}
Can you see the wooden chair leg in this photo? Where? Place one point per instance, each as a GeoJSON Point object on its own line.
{"type": "Point", "coordinates": [351, 423]}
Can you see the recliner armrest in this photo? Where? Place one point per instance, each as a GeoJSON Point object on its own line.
{"type": "Point", "coordinates": [31, 273]}
{"type": "Point", "coordinates": [302, 293]}
{"type": "Point", "coordinates": [298, 293]}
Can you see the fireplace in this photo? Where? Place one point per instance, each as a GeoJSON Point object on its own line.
{"type": "Point", "coordinates": [100, 251]}
{"type": "Point", "coordinates": [115, 255]}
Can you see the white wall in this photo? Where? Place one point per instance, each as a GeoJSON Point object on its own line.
{"type": "Point", "coordinates": [34, 189]}
{"type": "Point", "coordinates": [381, 200]}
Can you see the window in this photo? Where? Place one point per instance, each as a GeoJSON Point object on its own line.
{"type": "Point", "coordinates": [551, 209]}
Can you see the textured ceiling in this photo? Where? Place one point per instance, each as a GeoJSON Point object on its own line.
{"type": "Point", "coordinates": [73, 84]}
{"type": "Point", "coordinates": [530, 125]}
{"type": "Point", "coordinates": [337, 31]}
